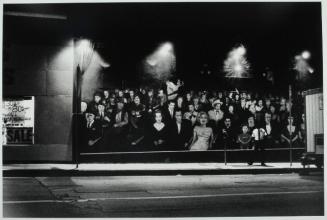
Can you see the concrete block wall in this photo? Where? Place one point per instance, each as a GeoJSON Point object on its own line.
{"type": "Point", "coordinates": [46, 72]}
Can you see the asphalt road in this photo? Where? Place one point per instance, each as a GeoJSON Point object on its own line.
{"type": "Point", "coordinates": [164, 196]}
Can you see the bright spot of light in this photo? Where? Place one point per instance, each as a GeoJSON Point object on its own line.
{"type": "Point", "coordinates": [306, 55]}
{"type": "Point", "coordinates": [238, 68]}
{"type": "Point", "coordinates": [236, 64]}
{"type": "Point", "coordinates": [302, 66]}
{"type": "Point", "coordinates": [162, 62]}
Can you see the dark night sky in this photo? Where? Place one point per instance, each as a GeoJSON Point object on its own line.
{"type": "Point", "coordinates": [201, 32]}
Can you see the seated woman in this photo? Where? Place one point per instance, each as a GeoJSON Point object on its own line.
{"type": "Point", "coordinates": [290, 134]}
{"type": "Point", "coordinates": [158, 132]}
{"type": "Point", "coordinates": [245, 138]}
{"type": "Point", "coordinates": [202, 135]}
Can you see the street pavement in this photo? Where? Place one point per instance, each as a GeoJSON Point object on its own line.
{"type": "Point", "coordinates": [164, 196]}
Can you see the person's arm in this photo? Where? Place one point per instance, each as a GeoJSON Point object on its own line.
{"type": "Point", "coordinates": [194, 138]}
{"type": "Point", "coordinates": [285, 138]}
{"type": "Point", "coordinates": [211, 140]}
{"type": "Point", "coordinates": [295, 138]}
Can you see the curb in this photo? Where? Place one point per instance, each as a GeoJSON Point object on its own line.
{"type": "Point", "coordinates": [75, 172]}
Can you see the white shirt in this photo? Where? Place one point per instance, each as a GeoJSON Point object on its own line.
{"type": "Point", "coordinates": [89, 124]}
{"type": "Point", "coordinates": [179, 125]}
{"type": "Point", "coordinates": [268, 129]}
{"type": "Point", "coordinates": [255, 134]}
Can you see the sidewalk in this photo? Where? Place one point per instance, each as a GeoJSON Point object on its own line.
{"type": "Point", "coordinates": [149, 169]}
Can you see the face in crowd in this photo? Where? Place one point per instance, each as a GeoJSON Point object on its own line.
{"type": "Point", "coordinates": [90, 117]}
{"type": "Point", "coordinates": [268, 118]}
{"type": "Point", "coordinates": [243, 103]}
{"type": "Point", "coordinates": [194, 117]}
{"type": "Point", "coordinates": [178, 116]}
{"type": "Point", "coordinates": [83, 106]}
{"type": "Point", "coordinates": [252, 109]}
{"type": "Point", "coordinates": [97, 98]}
{"type": "Point", "coordinates": [228, 122]}
{"type": "Point", "coordinates": [131, 93]}
{"type": "Point", "coordinates": [101, 108]}
{"type": "Point", "coordinates": [196, 101]}
{"type": "Point", "coordinates": [171, 106]}
{"type": "Point", "coordinates": [137, 100]}
{"type": "Point", "coordinates": [179, 101]}
{"type": "Point", "coordinates": [245, 129]}
{"type": "Point", "coordinates": [251, 122]}
{"type": "Point", "coordinates": [203, 119]}
{"type": "Point", "coordinates": [268, 103]}
{"type": "Point", "coordinates": [158, 117]}
{"type": "Point", "coordinates": [217, 106]}
{"type": "Point", "coordinates": [106, 94]}
{"type": "Point", "coordinates": [191, 108]}
{"type": "Point", "coordinates": [120, 94]}
{"type": "Point", "coordinates": [188, 96]}
{"type": "Point", "coordinates": [260, 103]}
{"type": "Point", "coordinates": [290, 120]}
{"type": "Point", "coordinates": [120, 106]}
{"type": "Point", "coordinates": [272, 109]}
{"type": "Point", "coordinates": [231, 109]}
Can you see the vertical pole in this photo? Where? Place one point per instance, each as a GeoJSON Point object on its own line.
{"type": "Point", "coordinates": [290, 105]}
{"type": "Point", "coordinates": [225, 154]}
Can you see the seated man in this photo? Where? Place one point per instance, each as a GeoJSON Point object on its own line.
{"type": "Point", "coordinates": [180, 132]}
{"type": "Point", "coordinates": [272, 131]}
{"type": "Point", "coordinates": [118, 127]}
{"type": "Point", "coordinates": [102, 116]}
{"type": "Point", "coordinates": [228, 134]}
{"type": "Point", "coordinates": [92, 130]}
{"type": "Point", "coordinates": [93, 106]}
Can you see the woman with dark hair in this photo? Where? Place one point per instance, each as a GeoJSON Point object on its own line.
{"type": "Point", "coordinates": [158, 132]}
{"type": "Point", "coordinates": [202, 135]}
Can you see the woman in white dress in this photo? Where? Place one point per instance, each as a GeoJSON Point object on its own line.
{"type": "Point", "coordinates": [202, 135]}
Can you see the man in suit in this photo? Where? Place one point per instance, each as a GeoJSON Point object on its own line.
{"type": "Point", "coordinates": [169, 113]}
{"type": "Point", "coordinates": [228, 133]}
{"type": "Point", "coordinates": [216, 116]}
{"type": "Point", "coordinates": [118, 127]}
{"type": "Point", "coordinates": [271, 130]}
{"type": "Point", "coordinates": [102, 116]}
{"type": "Point", "coordinates": [180, 132]}
{"type": "Point", "coordinates": [92, 130]}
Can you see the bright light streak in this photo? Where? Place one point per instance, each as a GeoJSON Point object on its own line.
{"type": "Point", "coordinates": [162, 62]}
{"type": "Point", "coordinates": [236, 64]}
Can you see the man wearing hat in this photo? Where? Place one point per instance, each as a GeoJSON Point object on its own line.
{"type": "Point", "coordinates": [216, 114]}
{"type": "Point", "coordinates": [119, 122]}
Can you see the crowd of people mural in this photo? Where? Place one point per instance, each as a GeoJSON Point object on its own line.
{"type": "Point", "coordinates": [172, 118]}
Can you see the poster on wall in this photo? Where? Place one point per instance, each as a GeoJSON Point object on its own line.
{"type": "Point", "coordinates": [18, 120]}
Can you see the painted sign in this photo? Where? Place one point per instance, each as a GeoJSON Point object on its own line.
{"type": "Point", "coordinates": [19, 135]}
{"type": "Point", "coordinates": [18, 112]}
{"type": "Point", "coordinates": [18, 121]}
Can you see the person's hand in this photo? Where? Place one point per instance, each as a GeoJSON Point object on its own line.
{"type": "Point", "coordinates": [133, 143]}
{"type": "Point", "coordinates": [160, 141]}
{"type": "Point", "coordinates": [91, 143]}
{"type": "Point", "coordinates": [155, 143]}
{"type": "Point", "coordinates": [185, 145]}
{"type": "Point", "coordinates": [107, 119]}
